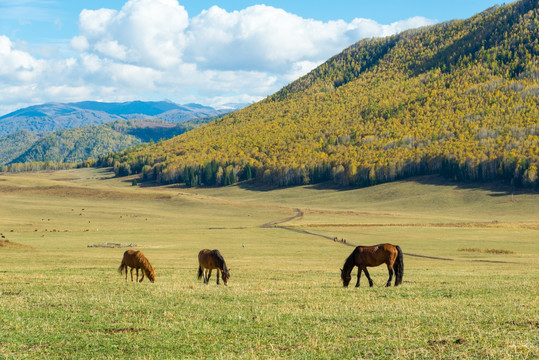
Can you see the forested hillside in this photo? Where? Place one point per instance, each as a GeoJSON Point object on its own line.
{"type": "Point", "coordinates": [15, 144]}
{"type": "Point", "coordinates": [25, 150]}
{"type": "Point", "coordinates": [460, 98]}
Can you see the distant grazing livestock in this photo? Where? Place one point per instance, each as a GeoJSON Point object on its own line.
{"type": "Point", "coordinates": [137, 260]}
{"type": "Point", "coordinates": [209, 260]}
{"type": "Point", "coordinates": [364, 256]}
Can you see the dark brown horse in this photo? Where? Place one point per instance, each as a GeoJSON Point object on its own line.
{"type": "Point", "coordinates": [364, 256]}
{"type": "Point", "coordinates": [209, 260]}
{"type": "Point", "coordinates": [137, 260]}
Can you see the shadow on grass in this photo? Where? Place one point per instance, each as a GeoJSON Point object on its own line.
{"type": "Point", "coordinates": [496, 188]}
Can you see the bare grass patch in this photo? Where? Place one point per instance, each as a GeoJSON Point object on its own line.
{"type": "Point", "coordinates": [4, 243]}
{"type": "Point", "coordinates": [487, 251]}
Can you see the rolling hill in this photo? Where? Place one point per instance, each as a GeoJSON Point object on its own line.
{"type": "Point", "coordinates": [15, 144]}
{"type": "Point", "coordinates": [55, 116]}
{"type": "Point", "coordinates": [459, 99]}
{"type": "Point", "coordinates": [89, 142]}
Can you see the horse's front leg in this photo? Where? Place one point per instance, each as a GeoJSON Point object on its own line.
{"type": "Point", "coordinates": [371, 283]}
{"type": "Point", "coordinates": [209, 275]}
{"type": "Point", "coordinates": [358, 276]}
{"type": "Point", "coordinates": [218, 276]}
{"type": "Point", "coordinates": [205, 276]}
{"type": "Point", "coordinates": [142, 277]}
{"type": "Point", "coordinates": [390, 276]}
{"type": "Point", "coordinates": [137, 274]}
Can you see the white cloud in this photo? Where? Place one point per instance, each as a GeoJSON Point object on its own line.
{"type": "Point", "coordinates": [264, 38]}
{"type": "Point", "coordinates": [112, 49]}
{"type": "Point", "coordinates": [366, 28]}
{"type": "Point", "coordinates": [151, 49]}
{"type": "Point", "coordinates": [260, 38]}
{"type": "Point", "coordinates": [79, 43]}
{"type": "Point", "coordinates": [144, 32]}
{"type": "Point", "coordinates": [94, 23]}
{"type": "Point", "coordinates": [91, 63]}
{"type": "Point", "coordinates": [17, 67]}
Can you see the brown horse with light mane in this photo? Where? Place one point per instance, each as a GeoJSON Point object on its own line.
{"type": "Point", "coordinates": [137, 260]}
{"type": "Point", "coordinates": [209, 260]}
{"type": "Point", "coordinates": [364, 256]}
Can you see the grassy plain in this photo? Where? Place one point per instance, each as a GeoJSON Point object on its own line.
{"type": "Point", "coordinates": [470, 285]}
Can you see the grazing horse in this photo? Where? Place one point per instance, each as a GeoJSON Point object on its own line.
{"type": "Point", "coordinates": [364, 256]}
{"type": "Point", "coordinates": [209, 260]}
{"type": "Point", "coordinates": [137, 260]}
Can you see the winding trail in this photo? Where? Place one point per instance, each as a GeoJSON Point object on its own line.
{"type": "Point", "coordinates": [299, 214]}
{"type": "Point", "coordinates": [273, 224]}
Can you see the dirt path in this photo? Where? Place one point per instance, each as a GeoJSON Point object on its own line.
{"type": "Point", "coordinates": [299, 214]}
{"type": "Point", "coordinates": [272, 224]}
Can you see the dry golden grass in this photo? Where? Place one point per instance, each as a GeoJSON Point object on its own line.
{"type": "Point", "coordinates": [62, 299]}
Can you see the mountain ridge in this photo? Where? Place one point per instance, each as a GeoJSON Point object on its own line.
{"type": "Point", "coordinates": [56, 116]}
{"type": "Point", "coordinates": [24, 149]}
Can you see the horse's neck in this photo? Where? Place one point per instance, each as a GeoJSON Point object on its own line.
{"type": "Point", "coordinates": [349, 264]}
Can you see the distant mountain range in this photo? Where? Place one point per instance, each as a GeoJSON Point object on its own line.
{"type": "Point", "coordinates": [55, 116]}
{"type": "Point", "coordinates": [75, 132]}
{"type": "Point", "coordinates": [87, 142]}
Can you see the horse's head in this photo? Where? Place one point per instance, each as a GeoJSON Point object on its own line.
{"type": "Point", "coordinates": [151, 274]}
{"type": "Point", "coordinates": [345, 278]}
{"type": "Point", "coordinates": [225, 274]}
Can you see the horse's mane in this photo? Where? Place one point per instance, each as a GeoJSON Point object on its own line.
{"type": "Point", "coordinates": [349, 263]}
{"type": "Point", "coordinates": [220, 260]}
{"type": "Point", "coordinates": [145, 264]}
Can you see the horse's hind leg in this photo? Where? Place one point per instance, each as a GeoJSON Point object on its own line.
{"type": "Point", "coordinates": [371, 283]}
{"type": "Point", "coordinates": [209, 275]}
{"type": "Point", "coordinates": [132, 274]}
{"type": "Point", "coordinates": [390, 269]}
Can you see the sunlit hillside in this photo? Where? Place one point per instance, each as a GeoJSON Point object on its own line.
{"type": "Point", "coordinates": [459, 99]}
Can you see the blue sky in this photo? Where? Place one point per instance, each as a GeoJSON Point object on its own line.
{"type": "Point", "coordinates": [210, 52]}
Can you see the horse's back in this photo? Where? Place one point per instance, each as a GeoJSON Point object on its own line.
{"type": "Point", "coordinates": [389, 248]}
{"type": "Point", "coordinates": [208, 258]}
{"type": "Point", "coordinates": [386, 248]}
{"type": "Point", "coordinates": [130, 253]}
{"type": "Point", "coordinates": [132, 258]}
{"type": "Point", "coordinates": [203, 254]}
{"type": "Point", "coordinates": [376, 254]}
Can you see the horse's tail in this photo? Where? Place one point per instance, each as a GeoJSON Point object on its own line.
{"type": "Point", "coordinates": [122, 267]}
{"type": "Point", "coordinates": [199, 272]}
{"type": "Point", "coordinates": [399, 267]}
